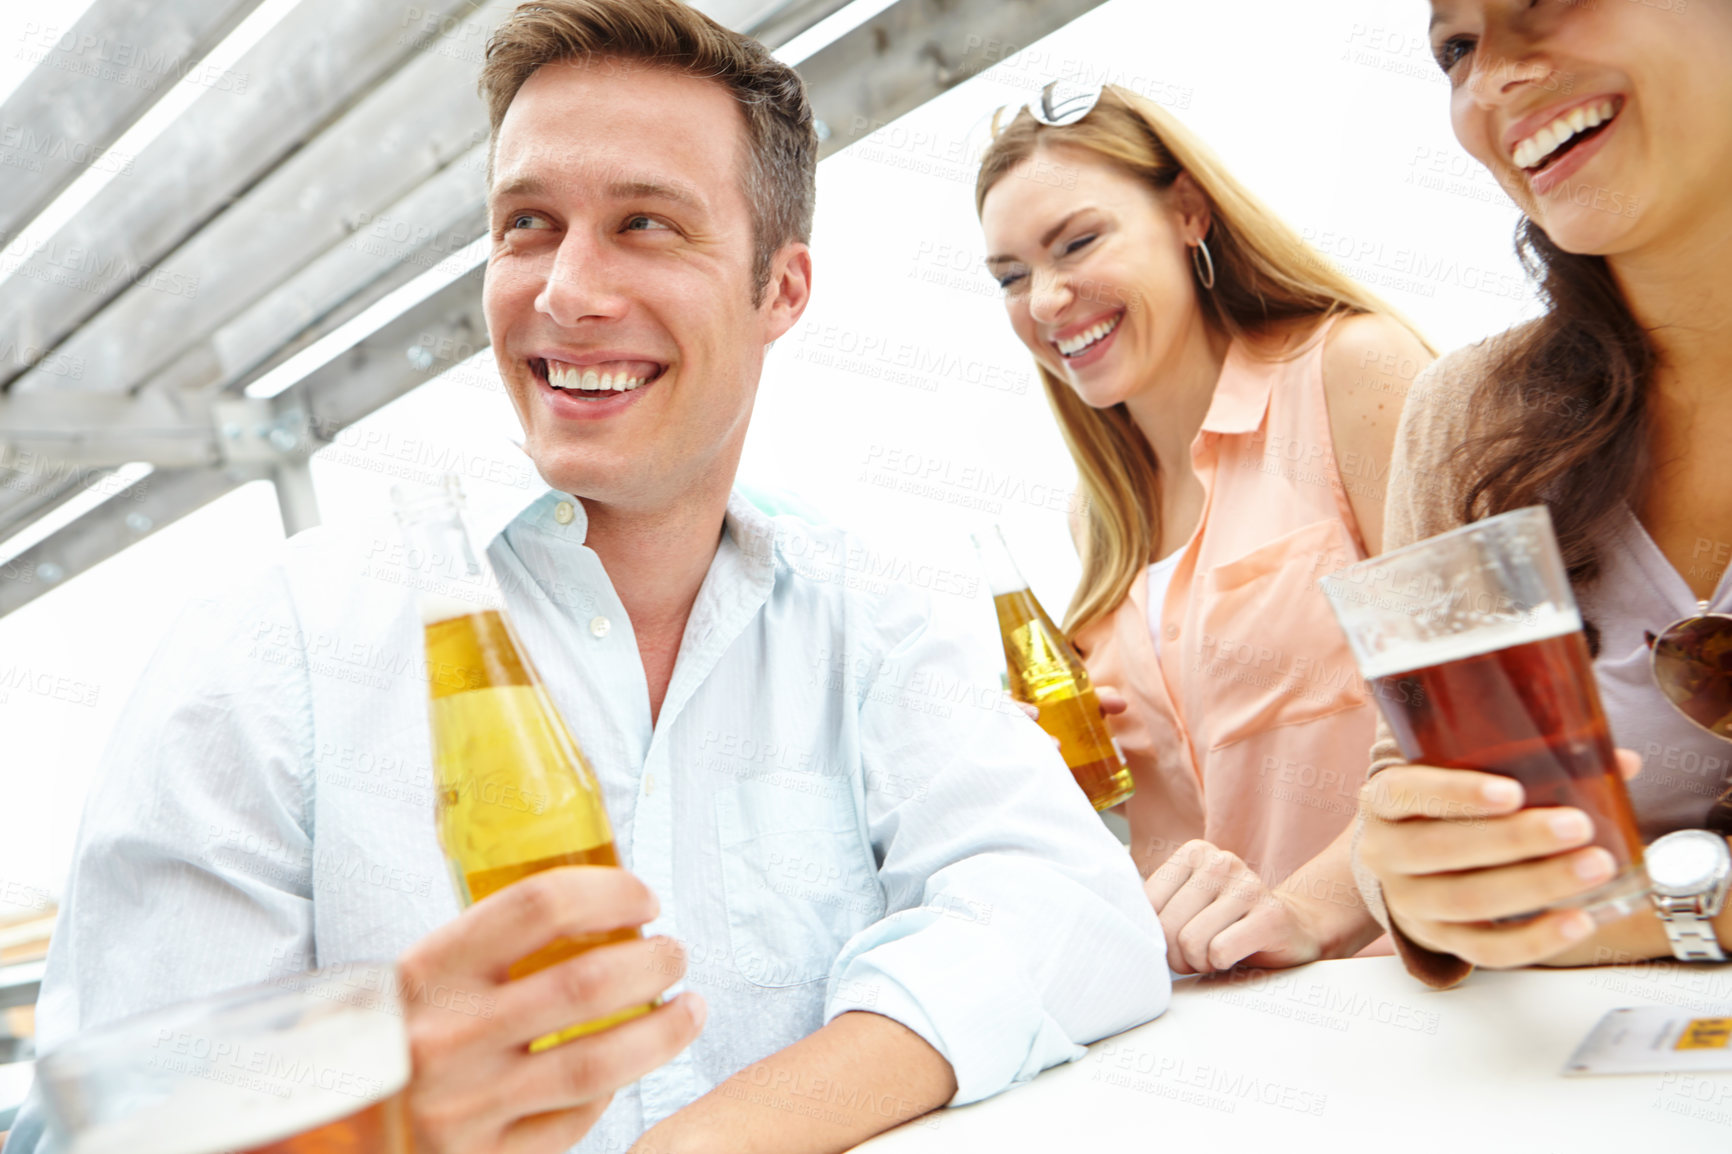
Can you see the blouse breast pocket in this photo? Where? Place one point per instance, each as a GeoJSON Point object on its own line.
{"type": "Point", "coordinates": [1269, 650]}
{"type": "Point", "coordinates": [798, 875]}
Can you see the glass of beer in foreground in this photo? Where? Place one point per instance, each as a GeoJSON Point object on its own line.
{"type": "Point", "coordinates": [303, 1064]}
{"type": "Point", "coordinates": [1474, 648]}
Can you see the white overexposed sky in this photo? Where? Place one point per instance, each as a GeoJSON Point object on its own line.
{"type": "Point", "coordinates": [901, 405]}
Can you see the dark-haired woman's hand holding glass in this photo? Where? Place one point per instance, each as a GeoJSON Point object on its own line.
{"type": "Point", "coordinates": [1455, 851]}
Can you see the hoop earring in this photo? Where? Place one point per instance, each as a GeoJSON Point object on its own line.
{"type": "Point", "coordinates": [1205, 266]}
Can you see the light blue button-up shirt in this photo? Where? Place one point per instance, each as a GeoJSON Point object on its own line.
{"type": "Point", "coordinates": [833, 812]}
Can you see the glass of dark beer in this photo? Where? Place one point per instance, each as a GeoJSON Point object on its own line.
{"type": "Point", "coordinates": [1473, 646]}
{"type": "Point", "coordinates": [302, 1064]}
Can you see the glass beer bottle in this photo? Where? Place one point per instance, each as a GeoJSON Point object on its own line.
{"type": "Point", "coordinates": [514, 793]}
{"type": "Point", "coordinates": [1045, 672]}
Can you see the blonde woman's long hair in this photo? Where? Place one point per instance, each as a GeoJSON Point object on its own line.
{"type": "Point", "coordinates": [1264, 274]}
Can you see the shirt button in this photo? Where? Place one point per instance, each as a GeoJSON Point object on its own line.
{"type": "Point", "coordinates": [599, 626]}
{"type": "Point", "coordinates": [563, 513]}
{"type": "Point", "coordinates": [649, 783]}
{"type": "Point", "coordinates": [1170, 632]}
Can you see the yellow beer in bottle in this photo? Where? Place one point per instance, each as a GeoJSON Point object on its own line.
{"type": "Point", "coordinates": [514, 793]}
{"type": "Point", "coordinates": [1045, 672]}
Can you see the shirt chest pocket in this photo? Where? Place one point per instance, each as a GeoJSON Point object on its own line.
{"type": "Point", "coordinates": [1271, 653]}
{"type": "Point", "coordinates": [798, 878]}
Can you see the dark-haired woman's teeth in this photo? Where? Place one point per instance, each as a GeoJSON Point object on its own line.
{"type": "Point", "coordinates": [590, 381]}
{"type": "Point", "coordinates": [1540, 147]}
{"type": "Point", "coordinates": [1085, 340]}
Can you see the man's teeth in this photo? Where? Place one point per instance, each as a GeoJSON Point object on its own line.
{"type": "Point", "coordinates": [1071, 346]}
{"type": "Point", "coordinates": [588, 380]}
{"type": "Point", "coordinates": [1536, 148]}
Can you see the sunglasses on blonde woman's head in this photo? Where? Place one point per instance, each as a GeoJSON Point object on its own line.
{"type": "Point", "coordinates": [1692, 664]}
{"type": "Point", "coordinates": [1060, 102]}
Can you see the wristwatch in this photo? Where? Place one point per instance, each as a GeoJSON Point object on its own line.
{"type": "Point", "coordinates": [1690, 870]}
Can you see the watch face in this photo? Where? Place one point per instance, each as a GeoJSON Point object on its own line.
{"type": "Point", "coordinates": [1684, 865]}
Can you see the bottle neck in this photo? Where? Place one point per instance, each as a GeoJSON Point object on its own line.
{"type": "Point", "coordinates": [1001, 573]}
{"type": "Point", "coordinates": [439, 558]}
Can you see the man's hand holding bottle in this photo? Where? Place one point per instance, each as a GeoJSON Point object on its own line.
{"type": "Point", "coordinates": [476, 1084]}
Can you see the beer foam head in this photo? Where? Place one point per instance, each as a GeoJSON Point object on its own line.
{"type": "Point", "coordinates": [196, 1092]}
{"type": "Point", "coordinates": [437, 607]}
{"type": "Point", "coordinates": [1485, 586]}
{"type": "Point", "coordinates": [1406, 654]}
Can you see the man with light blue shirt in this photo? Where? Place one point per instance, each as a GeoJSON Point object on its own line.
{"type": "Point", "coordinates": [899, 907]}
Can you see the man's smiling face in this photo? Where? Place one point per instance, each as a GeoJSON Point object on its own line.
{"type": "Point", "coordinates": [619, 294]}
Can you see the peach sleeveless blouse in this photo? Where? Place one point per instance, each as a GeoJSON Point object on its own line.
{"type": "Point", "coordinates": [1251, 727]}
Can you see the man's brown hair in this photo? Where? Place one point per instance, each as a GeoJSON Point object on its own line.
{"type": "Point", "coordinates": [780, 169]}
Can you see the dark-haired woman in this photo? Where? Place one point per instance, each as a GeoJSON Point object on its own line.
{"type": "Point", "coordinates": [1611, 127]}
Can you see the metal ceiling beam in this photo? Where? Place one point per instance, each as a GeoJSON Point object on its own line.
{"type": "Point", "coordinates": [445, 328]}
{"type": "Point", "coordinates": [411, 236]}
{"type": "Point", "coordinates": [354, 192]}
{"type": "Point", "coordinates": [333, 192]}
{"type": "Point", "coordinates": [787, 21]}
{"type": "Point", "coordinates": [184, 428]}
{"type": "Point", "coordinates": [69, 457]}
{"type": "Point", "coordinates": [378, 251]}
{"type": "Point", "coordinates": [159, 499]}
{"type": "Point", "coordinates": [442, 330]}
{"type": "Point", "coordinates": [84, 429]}
{"type": "Point", "coordinates": [915, 50]}
{"type": "Point", "coordinates": [304, 72]}
{"type": "Point", "coordinates": [878, 71]}
{"type": "Point", "coordinates": [91, 81]}
{"type": "Point", "coordinates": [36, 486]}
{"type": "Point", "coordinates": [388, 250]}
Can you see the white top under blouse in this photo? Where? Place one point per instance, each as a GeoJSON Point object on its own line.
{"type": "Point", "coordinates": [1160, 577]}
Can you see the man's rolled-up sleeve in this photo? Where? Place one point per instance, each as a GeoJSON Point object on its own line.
{"type": "Point", "coordinates": [1016, 928]}
{"type": "Point", "coordinates": [193, 869]}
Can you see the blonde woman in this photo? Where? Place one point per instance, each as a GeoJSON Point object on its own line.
{"type": "Point", "coordinates": [1230, 401]}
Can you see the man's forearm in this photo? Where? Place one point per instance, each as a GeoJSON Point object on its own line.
{"type": "Point", "coordinates": [857, 1076]}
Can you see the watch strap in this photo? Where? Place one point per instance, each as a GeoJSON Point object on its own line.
{"type": "Point", "coordinates": [1691, 934]}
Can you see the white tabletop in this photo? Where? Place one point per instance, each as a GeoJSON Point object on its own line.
{"type": "Point", "coordinates": [1355, 1055]}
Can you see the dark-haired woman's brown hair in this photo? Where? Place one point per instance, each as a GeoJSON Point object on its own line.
{"type": "Point", "coordinates": [1562, 419]}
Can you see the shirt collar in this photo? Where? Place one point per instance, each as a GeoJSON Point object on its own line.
{"type": "Point", "coordinates": [1241, 393]}
{"type": "Point", "coordinates": [549, 510]}
{"type": "Point", "coordinates": [753, 531]}
{"type": "Point", "coordinates": [490, 511]}
{"type": "Point", "coordinates": [1247, 381]}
